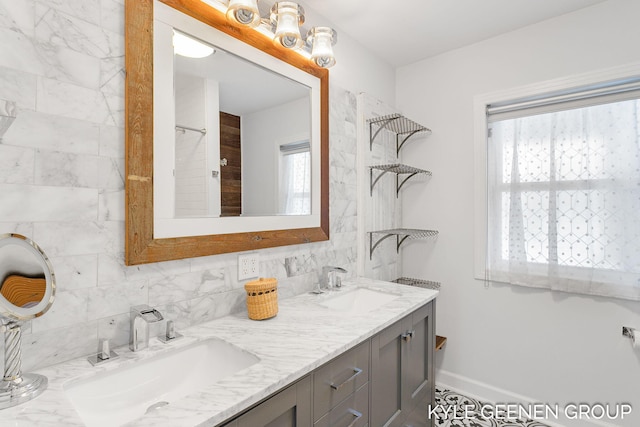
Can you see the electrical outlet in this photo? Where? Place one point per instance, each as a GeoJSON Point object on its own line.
{"type": "Point", "coordinates": [248, 266]}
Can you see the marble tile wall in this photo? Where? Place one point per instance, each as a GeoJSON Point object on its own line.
{"type": "Point", "coordinates": [381, 208]}
{"type": "Point", "coordinates": [61, 183]}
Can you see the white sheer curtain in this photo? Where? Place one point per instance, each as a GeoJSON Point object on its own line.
{"type": "Point", "coordinates": [564, 200]}
{"type": "Point", "coordinates": [295, 179]}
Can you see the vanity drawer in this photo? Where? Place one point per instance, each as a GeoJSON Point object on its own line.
{"type": "Point", "coordinates": [339, 378]}
{"type": "Point", "coordinates": [352, 412]}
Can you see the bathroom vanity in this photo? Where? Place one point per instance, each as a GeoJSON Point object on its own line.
{"type": "Point", "coordinates": [324, 360]}
{"type": "Point", "coordinates": [379, 382]}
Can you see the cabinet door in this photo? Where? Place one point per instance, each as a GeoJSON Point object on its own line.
{"type": "Point", "coordinates": [402, 368]}
{"type": "Point", "coordinates": [386, 379]}
{"type": "Point", "coordinates": [418, 368]}
{"type": "Point", "coordinates": [289, 408]}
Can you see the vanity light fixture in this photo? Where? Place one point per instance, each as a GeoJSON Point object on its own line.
{"type": "Point", "coordinates": [321, 40]}
{"type": "Point", "coordinates": [287, 16]}
{"type": "Point", "coordinates": [244, 12]}
{"type": "Point", "coordinates": [184, 45]}
{"type": "Point", "coordinates": [284, 22]}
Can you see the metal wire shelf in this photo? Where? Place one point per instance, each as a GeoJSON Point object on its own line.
{"type": "Point", "coordinates": [401, 234]}
{"type": "Point", "coordinates": [398, 169]}
{"type": "Point", "coordinates": [398, 124]}
{"type": "Point", "coordinates": [421, 283]}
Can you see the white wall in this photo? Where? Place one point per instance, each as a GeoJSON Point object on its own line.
{"type": "Point", "coordinates": [360, 71]}
{"type": "Point", "coordinates": [549, 346]}
{"type": "Point", "coordinates": [356, 67]}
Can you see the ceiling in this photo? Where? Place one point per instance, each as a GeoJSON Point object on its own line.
{"type": "Point", "coordinates": [405, 31]}
{"type": "Point", "coordinates": [244, 87]}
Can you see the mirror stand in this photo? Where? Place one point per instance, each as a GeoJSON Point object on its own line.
{"type": "Point", "coordinates": [27, 291]}
{"type": "Point", "coordinates": [16, 387]}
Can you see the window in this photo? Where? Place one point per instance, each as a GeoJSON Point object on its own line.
{"type": "Point", "coordinates": [295, 178]}
{"type": "Point", "coordinates": [563, 191]}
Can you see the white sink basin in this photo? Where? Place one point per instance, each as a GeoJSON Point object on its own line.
{"type": "Point", "coordinates": [124, 394]}
{"type": "Point", "coordinates": [357, 301]}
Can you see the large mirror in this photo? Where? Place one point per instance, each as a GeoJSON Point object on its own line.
{"type": "Point", "coordinates": [225, 152]}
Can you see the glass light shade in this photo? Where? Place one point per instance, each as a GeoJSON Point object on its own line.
{"type": "Point", "coordinates": [244, 12]}
{"type": "Point", "coordinates": [322, 40]}
{"type": "Point", "coordinates": [287, 17]}
{"type": "Point", "coordinates": [184, 45]}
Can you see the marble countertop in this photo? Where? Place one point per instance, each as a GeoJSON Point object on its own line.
{"type": "Point", "coordinates": [303, 336]}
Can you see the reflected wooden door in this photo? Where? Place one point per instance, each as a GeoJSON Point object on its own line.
{"type": "Point", "coordinates": [231, 172]}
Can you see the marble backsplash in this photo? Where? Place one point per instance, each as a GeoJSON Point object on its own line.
{"type": "Point", "coordinates": [61, 184]}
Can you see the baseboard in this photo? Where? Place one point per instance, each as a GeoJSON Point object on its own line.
{"type": "Point", "coordinates": [490, 394]}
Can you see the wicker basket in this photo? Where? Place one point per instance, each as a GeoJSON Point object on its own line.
{"type": "Point", "coordinates": [262, 298]}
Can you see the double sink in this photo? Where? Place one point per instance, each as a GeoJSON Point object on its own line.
{"type": "Point", "coordinates": [126, 393]}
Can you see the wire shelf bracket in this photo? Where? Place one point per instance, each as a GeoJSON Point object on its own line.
{"type": "Point", "coordinates": [401, 234]}
{"type": "Point", "coordinates": [398, 169]}
{"type": "Point", "coordinates": [398, 124]}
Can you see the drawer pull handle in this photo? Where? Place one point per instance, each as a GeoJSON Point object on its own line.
{"type": "Point", "coordinates": [408, 335]}
{"type": "Point", "coordinates": [356, 372]}
{"type": "Point", "coordinates": [357, 415]}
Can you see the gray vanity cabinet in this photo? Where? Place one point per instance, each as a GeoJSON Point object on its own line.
{"type": "Point", "coordinates": [290, 407]}
{"type": "Point", "coordinates": [402, 370]}
{"type": "Point", "coordinates": [380, 382]}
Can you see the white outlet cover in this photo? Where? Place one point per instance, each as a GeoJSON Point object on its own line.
{"type": "Point", "coordinates": [248, 266]}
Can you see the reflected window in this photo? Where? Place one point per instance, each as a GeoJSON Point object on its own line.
{"type": "Point", "coordinates": [295, 178]}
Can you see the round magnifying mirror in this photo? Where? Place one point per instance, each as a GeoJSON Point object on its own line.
{"type": "Point", "coordinates": [27, 289]}
{"type": "Point", "coordinates": [27, 282]}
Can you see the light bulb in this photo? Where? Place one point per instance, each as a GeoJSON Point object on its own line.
{"type": "Point", "coordinates": [244, 12]}
{"type": "Point", "coordinates": [287, 16]}
{"type": "Point", "coordinates": [184, 45]}
{"type": "Point", "coordinates": [322, 40]}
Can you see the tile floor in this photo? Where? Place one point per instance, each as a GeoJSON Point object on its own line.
{"type": "Point", "coordinates": [472, 417]}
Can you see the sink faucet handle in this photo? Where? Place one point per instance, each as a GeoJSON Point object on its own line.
{"type": "Point", "coordinates": [104, 353]}
{"type": "Point", "coordinates": [171, 330]}
{"type": "Point", "coordinates": [170, 333]}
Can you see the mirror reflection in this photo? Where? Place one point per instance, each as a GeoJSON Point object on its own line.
{"type": "Point", "coordinates": [22, 280]}
{"type": "Point", "coordinates": [242, 136]}
{"type": "Point", "coordinates": [26, 278]}
{"type": "Point", "coordinates": [278, 193]}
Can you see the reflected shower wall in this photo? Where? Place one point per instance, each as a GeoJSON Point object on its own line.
{"type": "Point", "coordinates": [197, 190]}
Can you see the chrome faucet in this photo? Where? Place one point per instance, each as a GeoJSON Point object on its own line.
{"type": "Point", "coordinates": [141, 316]}
{"type": "Point", "coordinates": [329, 279]}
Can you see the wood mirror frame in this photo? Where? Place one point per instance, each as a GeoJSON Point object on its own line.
{"type": "Point", "coordinates": [140, 245]}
